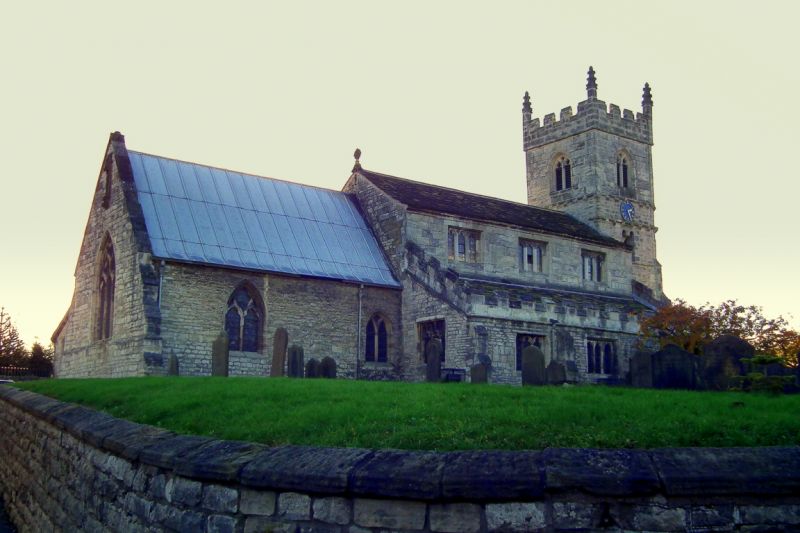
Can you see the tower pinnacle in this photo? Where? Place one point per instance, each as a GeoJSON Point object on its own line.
{"type": "Point", "coordinates": [647, 99]}
{"type": "Point", "coordinates": [527, 110]}
{"type": "Point", "coordinates": [591, 85]}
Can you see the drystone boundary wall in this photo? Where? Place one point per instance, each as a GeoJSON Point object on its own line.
{"type": "Point", "coordinates": [66, 467]}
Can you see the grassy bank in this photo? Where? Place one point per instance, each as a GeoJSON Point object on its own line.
{"type": "Point", "coordinates": [437, 417]}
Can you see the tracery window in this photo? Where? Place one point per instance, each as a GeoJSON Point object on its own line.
{"type": "Point", "coordinates": [243, 321]}
{"type": "Point", "coordinates": [531, 255]}
{"type": "Point", "coordinates": [563, 174]}
{"type": "Point", "coordinates": [463, 244]}
{"type": "Point", "coordinates": [593, 265]}
{"type": "Point", "coordinates": [622, 171]}
{"type": "Point", "coordinates": [377, 345]}
{"type": "Point", "coordinates": [105, 291]}
{"type": "Point", "coordinates": [601, 357]}
{"type": "Point", "coordinates": [523, 341]}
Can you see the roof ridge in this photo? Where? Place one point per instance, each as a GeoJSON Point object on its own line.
{"type": "Point", "coordinates": [495, 198]}
{"type": "Point", "coordinates": [234, 171]}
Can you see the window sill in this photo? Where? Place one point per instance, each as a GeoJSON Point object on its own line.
{"type": "Point", "coordinates": [376, 364]}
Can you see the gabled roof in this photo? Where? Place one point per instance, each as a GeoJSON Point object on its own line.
{"type": "Point", "coordinates": [434, 199]}
{"type": "Point", "coordinates": [200, 214]}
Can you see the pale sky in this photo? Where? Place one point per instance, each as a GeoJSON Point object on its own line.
{"type": "Point", "coordinates": [428, 90]}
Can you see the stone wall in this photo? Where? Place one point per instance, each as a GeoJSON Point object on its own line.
{"type": "Point", "coordinates": [319, 315]}
{"type": "Point", "coordinates": [66, 467]}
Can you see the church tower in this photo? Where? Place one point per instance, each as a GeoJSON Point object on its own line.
{"type": "Point", "coordinates": [597, 166]}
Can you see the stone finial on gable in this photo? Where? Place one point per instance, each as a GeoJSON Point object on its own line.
{"type": "Point", "coordinates": [357, 156]}
{"type": "Point", "coordinates": [647, 99]}
{"type": "Point", "coordinates": [527, 110]}
{"type": "Point", "coordinates": [591, 85]}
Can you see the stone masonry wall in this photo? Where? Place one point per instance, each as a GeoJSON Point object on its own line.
{"type": "Point", "coordinates": [319, 315]}
{"type": "Point", "coordinates": [65, 467]}
{"type": "Point", "coordinates": [78, 351]}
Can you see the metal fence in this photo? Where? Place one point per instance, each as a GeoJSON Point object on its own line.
{"type": "Point", "coordinates": [22, 372]}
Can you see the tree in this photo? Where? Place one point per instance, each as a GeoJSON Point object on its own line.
{"type": "Point", "coordinates": [692, 327]}
{"type": "Point", "coordinates": [41, 360]}
{"type": "Point", "coordinates": [12, 348]}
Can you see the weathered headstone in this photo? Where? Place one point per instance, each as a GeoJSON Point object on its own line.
{"type": "Point", "coordinates": [279, 344]}
{"type": "Point", "coordinates": [533, 370]}
{"type": "Point", "coordinates": [219, 355]}
{"type": "Point", "coordinates": [556, 373]}
{"type": "Point", "coordinates": [722, 361]}
{"type": "Point", "coordinates": [172, 365]}
{"type": "Point", "coordinates": [327, 368]}
{"type": "Point", "coordinates": [296, 362]}
{"type": "Point", "coordinates": [312, 368]}
{"type": "Point", "coordinates": [479, 374]}
{"type": "Point", "coordinates": [642, 370]}
{"type": "Point", "coordinates": [675, 368]}
{"type": "Point", "coordinates": [433, 360]}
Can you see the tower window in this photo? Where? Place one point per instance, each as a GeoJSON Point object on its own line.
{"type": "Point", "coordinates": [563, 174]}
{"type": "Point", "coordinates": [243, 321]}
{"type": "Point", "coordinates": [105, 291]}
{"type": "Point", "coordinates": [593, 265]}
{"type": "Point", "coordinates": [463, 245]}
{"type": "Point", "coordinates": [531, 254]}
{"type": "Point", "coordinates": [376, 348]}
{"type": "Point", "coordinates": [622, 172]}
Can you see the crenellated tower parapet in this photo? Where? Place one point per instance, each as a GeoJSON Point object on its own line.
{"type": "Point", "coordinates": [592, 113]}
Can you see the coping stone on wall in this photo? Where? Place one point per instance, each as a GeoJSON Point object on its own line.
{"type": "Point", "coordinates": [493, 475]}
{"type": "Point", "coordinates": [604, 472]}
{"type": "Point", "coordinates": [399, 474]}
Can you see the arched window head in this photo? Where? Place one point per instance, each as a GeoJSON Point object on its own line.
{"type": "Point", "coordinates": [105, 290]}
{"type": "Point", "coordinates": [377, 346]}
{"type": "Point", "coordinates": [623, 164]}
{"type": "Point", "coordinates": [563, 174]}
{"type": "Point", "coordinates": [243, 320]}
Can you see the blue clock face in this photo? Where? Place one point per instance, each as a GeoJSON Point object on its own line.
{"type": "Point", "coordinates": [627, 211]}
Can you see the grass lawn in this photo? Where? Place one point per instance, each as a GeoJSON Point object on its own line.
{"type": "Point", "coordinates": [421, 416]}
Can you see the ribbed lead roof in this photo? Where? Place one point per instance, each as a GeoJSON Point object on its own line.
{"type": "Point", "coordinates": [201, 214]}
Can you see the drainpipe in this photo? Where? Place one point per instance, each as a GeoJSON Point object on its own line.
{"type": "Point", "coordinates": [358, 331]}
{"type": "Point", "coordinates": [160, 282]}
{"type": "Point", "coordinates": [553, 324]}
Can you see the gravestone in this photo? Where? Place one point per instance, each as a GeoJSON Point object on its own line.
{"type": "Point", "coordinates": [295, 362]}
{"type": "Point", "coordinates": [675, 368]}
{"type": "Point", "coordinates": [312, 368]}
{"type": "Point", "coordinates": [219, 355]}
{"type": "Point", "coordinates": [722, 361]}
{"type": "Point", "coordinates": [327, 368]}
{"type": "Point", "coordinates": [556, 373]}
{"type": "Point", "coordinates": [172, 365]}
{"type": "Point", "coordinates": [533, 370]}
{"type": "Point", "coordinates": [479, 374]}
{"type": "Point", "coordinates": [433, 360]}
{"type": "Point", "coordinates": [279, 344]}
{"type": "Point", "coordinates": [642, 370]}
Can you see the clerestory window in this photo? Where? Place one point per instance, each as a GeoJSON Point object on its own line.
{"type": "Point", "coordinates": [531, 255]}
{"type": "Point", "coordinates": [463, 245]}
{"type": "Point", "coordinates": [593, 265]}
{"type": "Point", "coordinates": [563, 172]}
{"type": "Point", "coordinates": [243, 320]}
{"type": "Point", "coordinates": [377, 345]}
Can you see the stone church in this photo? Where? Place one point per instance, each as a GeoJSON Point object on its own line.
{"type": "Point", "coordinates": [174, 253]}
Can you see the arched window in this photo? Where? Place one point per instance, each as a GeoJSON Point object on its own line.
{"type": "Point", "coordinates": [563, 174]}
{"type": "Point", "coordinates": [608, 359]}
{"type": "Point", "coordinates": [590, 357]}
{"type": "Point", "coordinates": [377, 345]}
{"type": "Point", "coordinates": [601, 357]}
{"type": "Point", "coordinates": [622, 171]}
{"type": "Point", "coordinates": [243, 321]}
{"type": "Point", "coordinates": [105, 290]}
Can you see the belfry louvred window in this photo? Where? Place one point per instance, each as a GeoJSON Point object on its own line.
{"type": "Point", "coordinates": [622, 172]}
{"type": "Point", "coordinates": [243, 321]}
{"type": "Point", "coordinates": [105, 291]}
{"type": "Point", "coordinates": [563, 174]}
